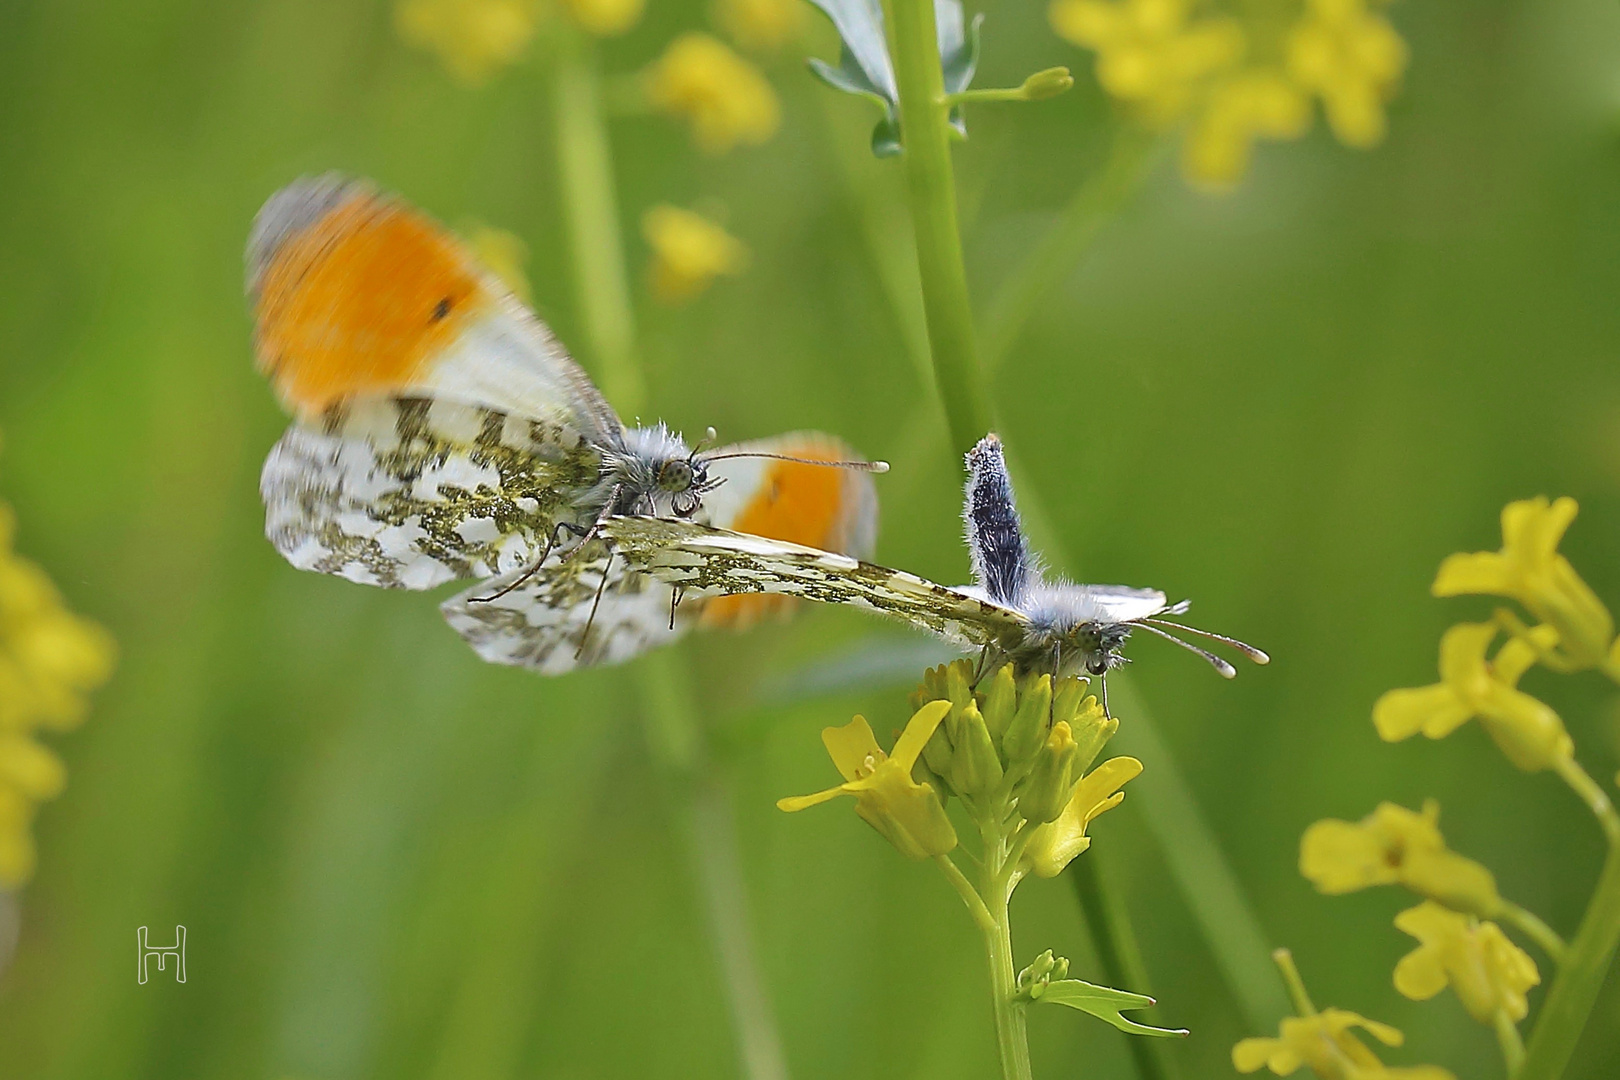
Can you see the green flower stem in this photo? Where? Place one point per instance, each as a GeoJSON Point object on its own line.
{"type": "Point", "coordinates": [1586, 962]}
{"type": "Point", "coordinates": [1104, 908]}
{"type": "Point", "coordinates": [585, 162]}
{"type": "Point", "coordinates": [1091, 207]}
{"type": "Point", "coordinates": [931, 184]}
{"type": "Point", "coordinates": [1508, 1038]}
{"type": "Point", "coordinates": [970, 896]}
{"type": "Point", "coordinates": [1303, 1006]}
{"type": "Point", "coordinates": [1533, 928]}
{"type": "Point", "coordinates": [590, 205]}
{"type": "Point", "coordinates": [1012, 1038]}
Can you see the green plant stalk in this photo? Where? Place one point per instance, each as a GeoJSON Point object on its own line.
{"type": "Point", "coordinates": [1508, 1038]}
{"type": "Point", "coordinates": [1533, 928]}
{"type": "Point", "coordinates": [1092, 206]}
{"type": "Point", "coordinates": [1575, 989]}
{"type": "Point", "coordinates": [590, 205]}
{"type": "Point", "coordinates": [931, 186]}
{"type": "Point", "coordinates": [1115, 941]}
{"type": "Point", "coordinates": [998, 879]}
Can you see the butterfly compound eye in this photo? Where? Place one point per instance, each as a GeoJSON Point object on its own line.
{"type": "Point", "coordinates": [675, 476]}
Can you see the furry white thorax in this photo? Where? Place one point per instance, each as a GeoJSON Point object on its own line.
{"type": "Point", "coordinates": [634, 467]}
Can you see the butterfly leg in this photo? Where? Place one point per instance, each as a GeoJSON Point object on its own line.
{"type": "Point", "coordinates": [1102, 680]}
{"type": "Point", "coordinates": [596, 603]}
{"type": "Point", "coordinates": [674, 602]}
{"type": "Point", "coordinates": [551, 542]}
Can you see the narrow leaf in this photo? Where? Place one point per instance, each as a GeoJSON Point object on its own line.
{"type": "Point", "coordinates": [1105, 1003]}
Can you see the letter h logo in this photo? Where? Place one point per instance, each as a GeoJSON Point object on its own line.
{"type": "Point", "coordinates": [163, 953]}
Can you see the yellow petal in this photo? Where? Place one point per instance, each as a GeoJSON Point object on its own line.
{"type": "Point", "coordinates": [1484, 572]}
{"type": "Point", "coordinates": [794, 803]}
{"type": "Point", "coordinates": [853, 748]}
{"type": "Point", "coordinates": [1517, 656]}
{"type": "Point", "coordinates": [1251, 1055]}
{"type": "Point", "coordinates": [1434, 710]}
{"type": "Point", "coordinates": [1340, 857]}
{"type": "Point", "coordinates": [1419, 974]}
{"type": "Point", "coordinates": [918, 731]}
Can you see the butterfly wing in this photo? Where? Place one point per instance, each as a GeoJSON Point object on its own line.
{"type": "Point", "coordinates": [541, 622]}
{"type": "Point", "coordinates": [703, 561]}
{"type": "Point", "coordinates": [410, 493]}
{"type": "Point", "coordinates": [1121, 603]}
{"type": "Point", "coordinates": [357, 293]}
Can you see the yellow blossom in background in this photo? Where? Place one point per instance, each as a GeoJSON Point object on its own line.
{"type": "Point", "coordinates": [1394, 845]}
{"type": "Point", "coordinates": [724, 97]}
{"type": "Point", "coordinates": [605, 18]}
{"type": "Point", "coordinates": [50, 660]}
{"type": "Point", "coordinates": [1152, 55]}
{"type": "Point", "coordinates": [1351, 58]}
{"type": "Point", "coordinates": [908, 814]}
{"type": "Point", "coordinates": [1488, 973]}
{"type": "Point", "coordinates": [1054, 845]}
{"type": "Point", "coordinates": [1240, 108]}
{"type": "Point", "coordinates": [1326, 1044]}
{"type": "Point", "coordinates": [504, 254]}
{"type": "Point", "coordinates": [760, 25]}
{"type": "Point", "coordinates": [1528, 731]}
{"type": "Point", "coordinates": [473, 39]}
{"type": "Point", "coordinates": [688, 252]}
{"type": "Point", "coordinates": [1529, 569]}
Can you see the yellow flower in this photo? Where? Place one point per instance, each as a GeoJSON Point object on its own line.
{"type": "Point", "coordinates": [605, 18]}
{"type": "Point", "coordinates": [504, 254]}
{"type": "Point", "coordinates": [1528, 731]}
{"type": "Point", "coordinates": [473, 39]}
{"type": "Point", "coordinates": [908, 814]}
{"type": "Point", "coordinates": [1240, 108]}
{"type": "Point", "coordinates": [1530, 570]}
{"type": "Point", "coordinates": [1394, 845]}
{"type": "Point", "coordinates": [1352, 59]}
{"type": "Point", "coordinates": [724, 97]}
{"type": "Point", "coordinates": [688, 252]}
{"type": "Point", "coordinates": [760, 25]}
{"type": "Point", "coordinates": [1326, 1045]}
{"type": "Point", "coordinates": [1053, 846]}
{"type": "Point", "coordinates": [50, 659]}
{"type": "Point", "coordinates": [1488, 973]}
{"type": "Point", "coordinates": [1151, 54]}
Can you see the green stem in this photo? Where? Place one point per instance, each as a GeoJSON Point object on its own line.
{"type": "Point", "coordinates": [1569, 1002]}
{"type": "Point", "coordinates": [1533, 928]}
{"type": "Point", "coordinates": [585, 162]}
{"type": "Point", "coordinates": [590, 205]}
{"type": "Point", "coordinates": [1109, 920]}
{"type": "Point", "coordinates": [1303, 1006]}
{"type": "Point", "coordinates": [1012, 1039]}
{"type": "Point", "coordinates": [926, 133]}
{"type": "Point", "coordinates": [1091, 207]}
{"type": "Point", "coordinates": [1508, 1038]}
{"type": "Point", "coordinates": [970, 896]}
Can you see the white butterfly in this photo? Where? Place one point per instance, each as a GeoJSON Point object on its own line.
{"type": "Point", "coordinates": [442, 433]}
{"type": "Point", "coordinates": [1011, 611]}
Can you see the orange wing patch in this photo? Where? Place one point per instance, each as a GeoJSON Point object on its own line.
{"type": "Point", "coordinates": [360, 300]}
{"type": "Point", "coordinates": [803, 504]}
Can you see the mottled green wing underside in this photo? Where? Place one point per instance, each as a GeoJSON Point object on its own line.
{"type": "Point", "coordinates": [410, 493]}
{"type": "Point", "coordinates": [703, 561]}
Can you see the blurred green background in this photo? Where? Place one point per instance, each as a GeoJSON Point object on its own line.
{"type": "Point", "coordinates": [395, 861]}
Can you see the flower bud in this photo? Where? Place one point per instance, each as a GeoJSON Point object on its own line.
{"type": "Point", "coordinates": [975, 767]}
{"type": "Point", "coordinates": [1092, 730]}
{"type": "Point", "coordinates": [1045, 792]}
{"type": "Point", "coordinates": [1033, 979]}
{"type": "Point", "coordinates": [1000, 702]}
{"type": "Point", "coordinates": [1068, 699]}
{"type": "Point", "coordinates": [1047, 84]}
{"type": "Point", "coordinates": [1027, 732]}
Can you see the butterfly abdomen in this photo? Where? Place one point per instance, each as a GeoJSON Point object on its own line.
{"type": "Point", "coordinates": [995, 538]}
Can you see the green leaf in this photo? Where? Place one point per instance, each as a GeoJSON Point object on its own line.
{"type": "Point", "coordinates": [865, 70]}
{"type": "Point", "coordinates": [1105, 1003]}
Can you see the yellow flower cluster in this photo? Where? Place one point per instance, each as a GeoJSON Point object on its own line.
{"type": "Point", "coordinates": [1227, 78]}
{"type": "Point", "coordinates": [50, 659]}
{"type": "Point", "coordinates": [605, 18]}
{"type": "Point", "coordinates": [473, 39]}
{"type": "Point", "coordinates": [688, 252]}
{"type": "Point", "coordinates": [760, 25]}
{"type": "Point", "coordinates": [723, 97]}
{"type": "Point", "coordinates": [1392, 846]}
{"type": "Point", "coordinates": [1326, 1044]}
{"type": "Point", "coordinates": [1488, 973]}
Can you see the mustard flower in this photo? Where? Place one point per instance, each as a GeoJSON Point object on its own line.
{"type": "Point", "coordinates": [760, 25]}
{"type": "Point", "coordinates": [473, 39]}
{"type": "Point", "coordinates": [1351, 58]}
{"type": "Point", "coordinates": [724, 97]}
{"type": "Point", "coordinates": [908, 814]}
{"type": "Point", "coordinates": [1153, 55]}
{"type": "Point", "coordinates": [1488, 973]}
{"type": "Point", "coordinates": [1529, 569]}
{"type": "Point", "coordinates": [688, 252]}
{"type": "Point", "coordinates": [1528, 731]}
{"type": "Point", "coordinates": [1326, 1044]}
{"type": "Point", "coordinates": [1393, 845]}
{"type": "Point", "coordinates": [1240, 108]}
{"type": "Point", "coordinates": [605, 18]}
{"type": "Point", "coordinates": [1054, 845]}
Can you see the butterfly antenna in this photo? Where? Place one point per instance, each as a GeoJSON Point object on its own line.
{"type": "Point", "coordinates": [859, 466]}
{"type": "Point", "coordinates": [1257, 655]}
{"type": "Point", "coordinates": [1227, 670]}
{"type": "Point", "coordinates": [601, 586]}
{"type": "Point", "coordinates": [710, 437]}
